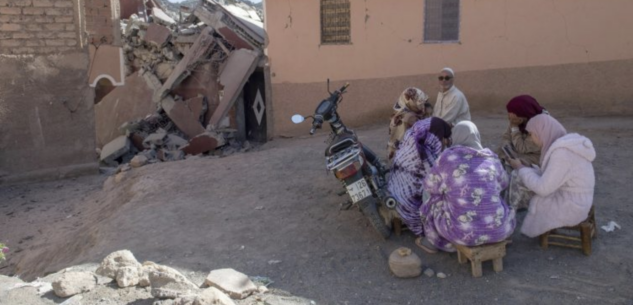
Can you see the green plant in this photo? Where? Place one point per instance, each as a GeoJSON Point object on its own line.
{"type": "Point", "coordinates": [3, 250]}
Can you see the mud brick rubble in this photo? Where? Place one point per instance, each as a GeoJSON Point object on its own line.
{"type": "Point", "coordinates": [165, 52]}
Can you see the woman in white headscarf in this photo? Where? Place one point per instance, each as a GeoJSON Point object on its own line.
{"type": "Point", "coordinates": [411, 107]}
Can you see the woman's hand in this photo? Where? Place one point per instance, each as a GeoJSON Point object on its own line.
{"type": "Point", "coordinates": [515, 163]}
{"type": "Point", "coordinates": [516, 121]}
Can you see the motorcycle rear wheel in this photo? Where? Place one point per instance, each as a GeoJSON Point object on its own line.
{"type": "Point", "coordinates": [369, 208]}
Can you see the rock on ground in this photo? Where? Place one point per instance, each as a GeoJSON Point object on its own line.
{"type": "Point", "coordinates": [128, 276]}
{"type": "Point", "coordinates": [234, 283]}
{"type": "Point", "coordinates": [209, 296]}
{"type": "Point", "coordinates": [72, 283]}
{"type": "Point", "coordinates": [168, 283]}
{"type": "Point", "coordinates": [111, 264]}
{"type": "Point", "coordinates": [404, 263]}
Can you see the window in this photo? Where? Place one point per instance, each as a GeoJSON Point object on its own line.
{"type": "Point", "coordinates": [441, 20]}
{"type": "Point", "coordinates": [335, 21]}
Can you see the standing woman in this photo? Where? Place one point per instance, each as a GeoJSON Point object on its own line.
{"type": "Point", "coordinates": [564, 185]}
{"type": "Point", "coordinates": [420, 146]}
{"type": "Point", "coordinates": [411, 107]}
{"type": "Point", "coordinates": [465, 206]}
{"type": "Point", "coordinates": [520, 110]}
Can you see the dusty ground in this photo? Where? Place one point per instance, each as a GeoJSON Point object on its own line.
{"type": "Point", "coordinates": [248, 211]}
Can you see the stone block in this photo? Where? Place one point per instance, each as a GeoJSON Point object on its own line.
{"type": "Point", "coordinates": [128, 276]}
{"type": "Point", "coordinates": [72, 283]}
{"type": "Point", "coordinates": [157, 35]}
{"type": "Point", "coordinates": [138, 161]}
{"type": "Point", "coordinates": [116, 260]}
{"type": "Point", "coordinates": [236, 284]}
{"type": "Point", "coordinates": [114, 150]}
{"type": "Point", "coordinates": [200, 144]}
{"type": "Point", "coordinates": [168, 283]}
{"type": "Point", "coordinates": [209, 296]}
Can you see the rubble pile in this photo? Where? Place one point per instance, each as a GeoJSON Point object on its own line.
{"type": "Point", "coordinates": [196, 68]}
{"type": "Point", "coordinates": [121, 279]}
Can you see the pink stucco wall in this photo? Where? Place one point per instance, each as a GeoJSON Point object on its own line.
{"type": "Point", "coordinates": [495, 35]}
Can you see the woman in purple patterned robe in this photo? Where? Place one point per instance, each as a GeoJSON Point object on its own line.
{"type": "Point", "coordinates": [414, 156]}
{"type": "Point", "coordinates": [464, 205]}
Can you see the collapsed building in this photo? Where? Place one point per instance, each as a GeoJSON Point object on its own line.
{"type": "Point", "coordinates": [191, 80]}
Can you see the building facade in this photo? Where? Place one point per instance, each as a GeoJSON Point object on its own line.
{"type": "Point", "coordinates": [573, 56]}
{"type": "Point", "coordinates": [46, 105]}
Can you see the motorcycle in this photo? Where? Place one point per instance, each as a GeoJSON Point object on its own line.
{"type": "Point", "coordinates": [358, 168]}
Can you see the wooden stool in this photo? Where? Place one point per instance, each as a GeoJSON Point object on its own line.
{"type": "Point", "coordinates": [479, 254]}
{"type": "Point", "coordinates": [578, 236]}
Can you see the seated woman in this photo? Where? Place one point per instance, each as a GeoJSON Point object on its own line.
{"type": "Point", "coordinates": [420, 146]}
{"type": "Point", "coordinates": [464, 205]}
{"type": "Point", "coordinates": [411, 107]}
{"type": "Point", "coordinates": [565, 183]}
{"type": "Point", "coordinates": [520, 110]}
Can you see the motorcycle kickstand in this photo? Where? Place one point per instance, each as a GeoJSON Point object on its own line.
{"type": "Point", "coordinates": [346, 205]}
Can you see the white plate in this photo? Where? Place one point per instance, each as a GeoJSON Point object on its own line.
{"type": "Point", "coordinates": [358, 190]}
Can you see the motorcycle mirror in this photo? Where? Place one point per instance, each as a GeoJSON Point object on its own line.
{"type": "Point", "coordinates": [297, 118]}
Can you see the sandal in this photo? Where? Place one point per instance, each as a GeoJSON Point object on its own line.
{"type": "Point", "coordinates": [425, 245]}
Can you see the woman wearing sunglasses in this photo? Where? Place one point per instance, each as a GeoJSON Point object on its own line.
{"type": "Point", "coordinates": [451, 104]}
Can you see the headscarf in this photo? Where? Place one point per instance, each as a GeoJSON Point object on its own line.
{"type": "Point", "coordinates": [524, 106]}
{"type": "Point", "coordinates": [449, 70]}
{"type": "Point", "coordinates": [411, 99]}
{"type": "Point", "coordinates": [465, 133]}
{"type": "Point", "coordinates": [547, 129]}
{"type": "Point", "coordinates": [439, 128]}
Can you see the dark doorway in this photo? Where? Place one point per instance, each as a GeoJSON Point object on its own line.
{"type": "Point", "coordinates": [255, 107]}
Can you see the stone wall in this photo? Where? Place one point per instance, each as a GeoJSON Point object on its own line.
{"type": "Point", "coordinates": [102, 18]}
{"type": "Point", "coordinates": [46, 106]}
{"type": "Point", "coordinates": [38, 26]}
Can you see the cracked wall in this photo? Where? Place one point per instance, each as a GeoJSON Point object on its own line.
{"type": "Point", "coordinates": [560, 51]}
{"type": "Point", "coordinates": [46, 106]}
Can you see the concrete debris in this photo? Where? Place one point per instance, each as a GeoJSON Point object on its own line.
{"type": "Point", "coordinates": [128, 276]}
{"type": "Point", "coordinates": [157, 35]}
{"type": "Point", "coordinates": [116, 260]}
{"type": "Point", "coordinates": [236, 284]}
{"type": "Point", "coordinates": [114, 150]}
{"type": "Point", "coordinates": [166, 285]}
{"type": "Point", "coordinates": [191, 64]}
{"type": "Point", "coordinates": [72, 283]}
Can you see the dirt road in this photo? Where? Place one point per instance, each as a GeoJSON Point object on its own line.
{"type": "Point", "coordinates": [274, 212]}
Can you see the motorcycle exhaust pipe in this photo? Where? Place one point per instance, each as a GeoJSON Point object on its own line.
{"type": "Point", "coordinates": [391, 202]}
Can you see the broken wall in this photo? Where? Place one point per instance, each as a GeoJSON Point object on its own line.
{"type": "Point", "coordinates": [46, 106]}
{"type": "Point", "coordinates": [561, 52]}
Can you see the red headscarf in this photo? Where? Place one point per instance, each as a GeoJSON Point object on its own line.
{"type": "Point", "coordinates": [524, 106]}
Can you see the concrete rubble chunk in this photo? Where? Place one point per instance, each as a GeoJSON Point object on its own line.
{"type": "Point", "coordinates": [168, 283]}
{"type": "Point", "coordinates": [200, 48]}
{"type": "Point", "coordinates": [174, 142]}
{"type": "Point", "coordinates": [236, 284]}
{"type": "Point", "coordinates": [209, 296]}
{"type": "Point", "coordinates": [157, 139]}
{"type": "Point", "coordinates": [128, 276]}
{"type": "Point", "coordinates": [138, 161]}
{"type": "Point", "coordinates": [72, 283]}
{"type": "Point", "coordinates": [202, 143]}
{"type": "Point", "coordinates": [182, 116]}
{"type": "Point", "coordinates": [157, 35]}
{"type": "Point", "coordinates": [114, 150]}
{"type": "Point", "coordinates": [111, 263]}
{"type": "Point", "coordinates": [235, 72]}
